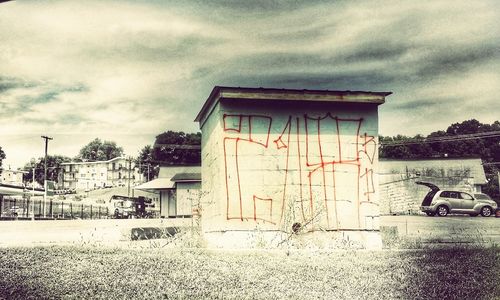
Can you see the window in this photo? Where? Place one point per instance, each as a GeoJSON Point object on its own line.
{"type": "Point", "coordinates": [445, 194]}
{"type": "Point", "coordinates": [466, 196]}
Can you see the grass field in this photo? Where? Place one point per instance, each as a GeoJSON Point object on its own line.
{"type": "Point", "coordinates": [92, 272]}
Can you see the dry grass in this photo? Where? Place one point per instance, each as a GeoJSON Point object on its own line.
{"type": "Point", "coordinates": [90, 272]}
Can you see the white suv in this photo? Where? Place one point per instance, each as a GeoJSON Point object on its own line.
{"type": "Point", "coordinates": [449, 201]}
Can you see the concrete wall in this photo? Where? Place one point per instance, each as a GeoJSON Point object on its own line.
{"type": "Point", "coordinates": [269, 166]}
{"type": "Point", "coordinates": [188, 197]}
{"type": "Point", "coordinates": [400, 194]}
{"type": "Point", "coordinates": [179, 202]}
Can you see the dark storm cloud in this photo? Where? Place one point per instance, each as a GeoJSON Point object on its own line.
{"type": "Point", "coordinates": [19, 96]}
{"type": "Point", "coordinates": [449, 60]}
{"type": "Point", "coordinates": [148, 66]}
{"type": "Point", "coordinates": [383, 50]}
{"type": "Point", "coordinates": [245, 6]}
{"type": "Point", "coordinates": [9, 83]}
{"type": "Point", "coordinates": [350, 81]}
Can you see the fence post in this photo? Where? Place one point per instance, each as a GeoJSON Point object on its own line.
{"type": "Point", "coordinates": [99, 212]}
{"type": "Point", "coordinates": [62, 209]}
{"type": "Point", "coordinates": [71, 209]}
{"type": "Point", "coordinates": [91, 211]}
{"type": "Point", "coordinates": [81, 212]}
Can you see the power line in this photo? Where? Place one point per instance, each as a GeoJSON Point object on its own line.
{"type": "Point", "coordinates": [177, 146]}
{"type": "Point", "coordinates": [461, 137]}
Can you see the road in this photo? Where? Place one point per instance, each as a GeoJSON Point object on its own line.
{"type": "Point", "coordinates": [446, 230]}
{"type": "Point", "coordinates": [77, 232]}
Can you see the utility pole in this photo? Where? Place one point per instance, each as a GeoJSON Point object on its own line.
{"type": "Point", "coordinates": [45, 175]}
{"type": "Point", "coordinates": [33, 165]}
{"type": "Point", "coordinates": [148, 170]}
{"type": "Point", "coordinates": [129, 167]}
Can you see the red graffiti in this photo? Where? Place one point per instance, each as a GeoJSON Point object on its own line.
{"type": "Point", "coordinates": [329, 148]}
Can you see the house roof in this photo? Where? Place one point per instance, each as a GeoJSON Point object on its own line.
{"type": "Point", "coordinates": [275, 94]}
{"type": "Point", "coordinates": [450, 166]}
{"type": "Point", "coordinates": [169, 175]}
{"type": "Point", "coordinates": [187, 177]}
{"type": "Point", "coordinates": [156, 184]}
{"type": "Point", "coordinates": [171, 170]}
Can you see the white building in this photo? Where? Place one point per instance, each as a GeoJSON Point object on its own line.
{"type": "Point", "coordinates": [91, 175]}
{"type": "Point", "coordinates": [179, 189]}
{"type": "Point", "coordinates": [11, 177]}
{"type": "Point", "coordinates": [282, 160]}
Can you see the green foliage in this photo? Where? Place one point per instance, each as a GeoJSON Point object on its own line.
{"type": "Point", "coordinates": [488, 149]}
{"type": "Point", "coordinates": [177, 155]}
{"type": "Point", "coordinates": [54, 169]}
{"type": "Point", "coordinates": [2, 157]}
{"type": "Point", "coordinates": [145, 162]}
{"type": "Point", "coordinates": [98, 150]}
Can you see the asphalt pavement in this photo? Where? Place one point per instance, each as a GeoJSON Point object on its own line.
{"type": "Point", "coordinates": [450, 229]}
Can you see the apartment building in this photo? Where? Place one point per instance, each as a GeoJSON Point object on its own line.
{"type": "Point", "coordinates": [115, 172]}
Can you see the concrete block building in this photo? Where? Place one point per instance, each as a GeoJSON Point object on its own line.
{"type": "Point", "coordinates": [284, 160]}
{"type": "Point", "coordinates": [399, 193]}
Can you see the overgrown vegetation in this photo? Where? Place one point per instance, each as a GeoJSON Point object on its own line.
{"type": "Point", "coordinates": [90, 273]}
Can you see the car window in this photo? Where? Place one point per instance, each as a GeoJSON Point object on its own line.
{"type": "Point", "coordinates": [445, 194]}
{"type": "Point", "coordinates": [454, 195]}
{"type": "Point", "coordinates": [466, 196]}
{"type": "Point", "coordinates": [482, 196]}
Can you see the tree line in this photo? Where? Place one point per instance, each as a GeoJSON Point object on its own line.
{"type": "Point", "coordinates": [442, 145]}
{"type": "Point", "coordinates": [179, 148]}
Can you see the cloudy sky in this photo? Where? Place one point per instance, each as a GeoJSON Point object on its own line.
{"type": "Point", "coordinates": [129, 70]}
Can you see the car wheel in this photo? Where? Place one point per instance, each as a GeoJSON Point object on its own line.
{"type": "Point", "coordinates": [431, 214]}
{"type": "Point", "coordinates": [442, 211]}
{"type": "Point", "coordinates": [486, 211]}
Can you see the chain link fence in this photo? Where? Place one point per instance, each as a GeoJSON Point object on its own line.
{"type": "Point", "coordinates": [14, 208]}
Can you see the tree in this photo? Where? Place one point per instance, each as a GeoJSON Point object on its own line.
{"type": "Point", "coordinates": [2, 157]}
{"type": "Point", "coordinates": [177, 148]}
{"type": "Point", "coordinates": [98, 150]}
{"type": "Point", "coordinates": [145, 161]}
{"type": "Point", "coordinates": [54, 169]}
{"type": "Point", "coordinates": [486, 148]}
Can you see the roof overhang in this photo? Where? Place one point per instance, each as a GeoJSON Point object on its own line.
{"type": "Point", "coordinates": [187, 177]}
{"type": "Point", "coordinates": [273, 94]}
{"type": "Point", "coordinates": [157, 184]}
{"type": "Point", "coordinates": [10, 190]}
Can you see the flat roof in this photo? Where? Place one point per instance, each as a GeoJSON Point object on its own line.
{"type": "Point", "coordinates": [275, 94]}
{"type": "Point", "coordinates": [186, 177]}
